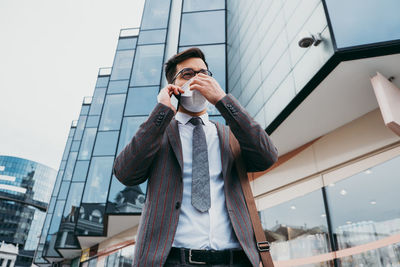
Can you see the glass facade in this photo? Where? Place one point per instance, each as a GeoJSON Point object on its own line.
{"type": "Point", "coordinates": [25, 192]}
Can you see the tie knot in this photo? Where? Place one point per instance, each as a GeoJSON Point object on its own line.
{"type": "Point", "coordinates": [196, 121]}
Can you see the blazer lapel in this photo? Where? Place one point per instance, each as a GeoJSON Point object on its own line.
{"type": "Point", "coordinates": [226, 155]}
{"type": "Point", "coordinates": [175, 140]}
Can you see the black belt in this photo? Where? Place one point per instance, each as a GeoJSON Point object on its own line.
{"type": "Point", "coordinates": [200, 256]}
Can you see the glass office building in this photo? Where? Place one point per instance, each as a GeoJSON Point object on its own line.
{"type": "Point", "coordinates": [25, 188]}
{"type": "Point", "coordinates": [302, 69]}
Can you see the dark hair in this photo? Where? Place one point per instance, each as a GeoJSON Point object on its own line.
{"type": "Point", "coordinates": [170, 65]}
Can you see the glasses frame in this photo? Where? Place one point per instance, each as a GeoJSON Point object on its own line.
{"type": "Point", "coordinates": [209, 73]}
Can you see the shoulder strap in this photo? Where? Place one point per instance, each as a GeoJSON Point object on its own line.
{"type": "Point", "coordinates": [262, 243]}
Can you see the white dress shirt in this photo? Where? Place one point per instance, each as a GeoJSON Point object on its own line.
{"type": "Point", "coordinates": [211, 229]}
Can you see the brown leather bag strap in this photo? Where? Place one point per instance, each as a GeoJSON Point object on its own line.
{"type": "Point", "coordinates": [262, 243]}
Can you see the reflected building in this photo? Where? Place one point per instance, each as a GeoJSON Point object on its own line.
{"type": "Point", "coordinates": [303, 70]}
{"type": "Point", "coordinates": [25, 188]}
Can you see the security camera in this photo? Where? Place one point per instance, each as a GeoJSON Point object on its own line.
{"type": "Point", "coordinates": [307, 39]}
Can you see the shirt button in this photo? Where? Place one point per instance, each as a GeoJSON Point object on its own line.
{"type": "Point", "coordinates": [177, 205]}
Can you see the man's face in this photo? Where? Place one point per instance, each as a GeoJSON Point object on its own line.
{"type": "Point", "coordinates": [195, 63]}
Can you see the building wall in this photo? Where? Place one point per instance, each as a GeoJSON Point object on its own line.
{"type": "Point", "coordinates": [266, 67]}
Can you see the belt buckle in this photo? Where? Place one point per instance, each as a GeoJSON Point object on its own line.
{"type": "Point", "coordinates": [192, 261]}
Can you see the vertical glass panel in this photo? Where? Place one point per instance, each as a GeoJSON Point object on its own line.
{"type": "Point", "coordinates": [85, 109]}
{"type": "Point", "coordinates": [63, 190]}
{"type": "Point", "coordinates": [297, 228]}
{"type": "Point", "coordinates": [198, 5]}
{"type": "Point", "coordinates": [155, 14]}
{"type": "Point", "coordinates": [118, 87]}
{"type": "Point", "coordinates": [71, 132]}
{"type": "Point", "coordinates": [106, 143]}
{"type": "Point", "coordinates": [364, 207]}
{"type": "Point", "coordinates": [152, 37]}
{"type": "Point", "coordinates": [379, 21]}
{"type": "Point", "coordinates": [102, 81]}
{"type": "Point", "coordinates": [67, 148]}
{"type": "Point", "coordinates": [58, 182]}
{"type": "Point", "coordinates": [97, 102]}
{"type": "Point", "coordinates": [55, 222]}
{"type": "Point", "coordinates": [74, 199]}
{"type": "Point", "coordinates": [202, 28]}
{"type": "Point", "coordinates": [122, 65]}
{"type": "Point", "coordinates": [52, 204]}
{"type": "Point", "coordinates": [70, 166]}
{"type": "Point", "coordinates": [129, 127]}
{"type": "Point", "coordinates": [80, 127]}
{"type": "Point", "coordinates": [141, 100]}
{"type": "Point", "coordinates": [92, 121]}
{"type": "Point", "coordinates": [81, 168]}
{"type": "Point", "coordinates": [98, 180]}
{"type": "Point", "coordinates": [75, 145]}
{"type": "Point", "coordinates": [127, 43]}
{"type": "Point", "coordinates": [125, 199]}
{"type": "Point", "coordinates": [112, 113]}
{"type": "Point", "coordinates": [148, 65]}
{"type": "Point", "coordinates": [87, 143]}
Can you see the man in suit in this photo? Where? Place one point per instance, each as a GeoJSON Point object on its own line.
{"type": "Point", "coordinates": [195, 211]}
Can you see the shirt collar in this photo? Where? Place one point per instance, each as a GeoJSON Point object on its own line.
{"type": "Point", "coordinates": [185, 118]}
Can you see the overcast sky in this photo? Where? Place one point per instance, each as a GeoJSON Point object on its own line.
{"type": "Point", "coordinates": [50, 53]}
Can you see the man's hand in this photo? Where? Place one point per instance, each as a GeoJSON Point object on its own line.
{"type": "Point", "coordinates": [208, 87]}
{"type": "Point", "coordinates": [164, 97]}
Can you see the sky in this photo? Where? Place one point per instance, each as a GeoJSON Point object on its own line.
{"type": "Point", "coordinates": [50, 53]}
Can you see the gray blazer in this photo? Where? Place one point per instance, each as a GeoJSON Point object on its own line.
{"type": "Point", "coordinates": [155, 153]}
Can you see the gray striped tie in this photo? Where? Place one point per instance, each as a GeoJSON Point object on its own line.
{"type": "Point", "coordinates": [200, 171]}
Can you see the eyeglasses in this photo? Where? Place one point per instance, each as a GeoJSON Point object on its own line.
{"type": "Point", "coordinates": [189, 73]}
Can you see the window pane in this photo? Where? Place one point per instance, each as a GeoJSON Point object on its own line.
{"type": "Point", "coordinates": [92, 121]}
{"type": "Point", "coordinates": [155, 14]}
{"type": "Point", "coordinates": [75, 145]}
{"type": "Point", "coordinates": [364, 207]}
{"type": "Point", "coordinates": [124, 199]}
{"type": "Point", "coordinates": [297, 228]}
{"type": "Point", "coordinates": [197, 5]}
{"type": "Point", "coordinates": [152, 37]}
{"type": "Point", "coordinates": [129, 127]}
{"type": "Point", "coordinates": [106, 143]}
{"type": "Point", "coordinates": [80, 127]}
{"type": "Point", "coordinates": [63, 190]}
{"type": "Point", "coordinates": [74, 198]}
{"type": "Point", "coordinates": [97, 102]}
{"type": "Point", "coordinates": [126, 43]}
{"type": "Point", "coordinates": [122, 64]}
{"type": "Point", "coordinates": [148, 65]}
{"type": "Point", "coordinates": [87, 143]}
{"type": "Point", "coordinates": [80, 171]}
{"type": "Point", "coordinates": [118, 87]}
{"type": "Point", "coordinates": [379, 21]}
{"type": "Point", "coordinates": [102, 81]}
{"type": "Point", "coordinates": [141, 100]}
{"type": "Point", "coordinates": [112, 112]}
{"type": "Point", "coordinates": [98, 180]}
{"type": "Point", "coordinates": [85, 109]}
{"type": "Point", "coordinates": [69, 168]}
{"type": "Point", "coordinates": [203, 28]}
{"type": "Point", "coordinates": [55, 223]}
{"type": "Point", "coordinates": [67, 148]}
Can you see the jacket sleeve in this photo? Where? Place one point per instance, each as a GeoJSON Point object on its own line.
{"type": "Point", "coordinates": [258, 151]}
{"type": "Point", "coordinates": [131, 166]}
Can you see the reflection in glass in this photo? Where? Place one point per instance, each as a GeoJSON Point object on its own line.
{"type": "Point", "coordinates": [152, 36]}
{"type": "Point", "coordinates": [98, 180]}
{"type": "Point", "coordinates": [364, 207]}
{"type": "Point", "coordinates": [198, 5]}
{"type": "Point", "coordinates": [129, 127]}
{"type": "Point", "coordinates": [202, 28]}
{"type": "Point", "coordinates": [127, 43]}
{"type": "Point", "coordinates": [125, 199]}
{"type": "Point", "coordinates": [155, 14]}
{"type": "Point", "coordinates": [97, 102]}
{"type": "Point", "coordinates": [55, 222]}
{"type": "Point", "coordinates": [75, 145]}
{"type": "Point", "coordinates": [106, 143]}
{"type": "Point", "coordinates": [297, 228]}
{"type": "Point", "coordinates": [80, 127]}
{"type": "Point", "coordinates": [141, 100]}
{"type": "Point", "coordinates": [102, 81]}
{"type": "Point", "coordinates": [63, 190]}
{"type": "Point", "coordinates": [69, 168]}
{"type": "Point", "coordinates": [87, 144]}
{"type": "Point", "coordinates": [122, 65]}
{"type": "Point", "coordinates": [148, 65]}
{"type": "Point", "coordinates": [92, 121]}
{"type": "Point", "coordinates": [90, 219]}
{"type": "Point", "coordinates": [118, 87]}
{"type": "Point", "coordinates": [121, 258]}
{"type": "Point", "coordinates": [112, 112]}
{"type": "Point", "coordinates": [379, 21]}
{"type": "Point", "coordinates": [80, 171]}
